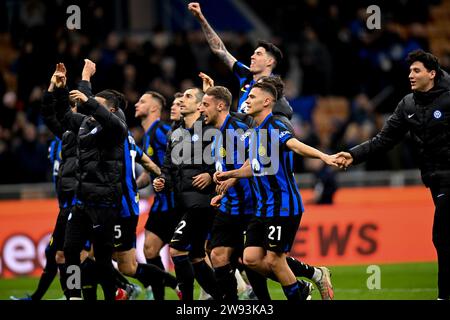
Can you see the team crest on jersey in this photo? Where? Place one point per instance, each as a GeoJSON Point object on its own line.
{"type": "Point", "coordinates": [222, 152]}
{"type": "Point", "coordinates": [262, 151]}
{"type": "Point", "coordinates": [136, 198]}
{"type": "Point", "coordinates": [150, 151]}
{"type": "Point", "coordinates": [60, 155]}
{"type": "Point", "coordinates": [437, 114]}
{"type": "Point", "coordinates": [195, 138]}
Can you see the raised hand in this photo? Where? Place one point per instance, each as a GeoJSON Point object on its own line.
{"type": "Point", "coordinates": [194, 8]}
{"type": "Point", "coordinates": [208, 82]}
{"type": "Point", "coordinates": [59, 77]}
{"type": "Point", "coordinates": [76, 95]}
{"type": "Point", "coordinates": [88, 70]}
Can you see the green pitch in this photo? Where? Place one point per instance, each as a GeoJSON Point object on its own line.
{"type": "Point", "coordinates": [398, 282]}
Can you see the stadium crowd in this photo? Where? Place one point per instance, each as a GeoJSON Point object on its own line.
{"type": "Point", "coordinates": [330, 53]}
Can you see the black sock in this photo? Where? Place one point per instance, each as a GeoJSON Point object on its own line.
{"type": "Point", "coordinates": [158, 286]}
{"type": "Point", "coordinates": [149, 274]}
{"type": "Point", "coordinates": [89, 279]}
{"type": "Point", "coordinates": [292, 291]}
{"type": "Point", "coordinates": [206, 278]}
{"type": "Point", "coordinates": [259, 284]}
{"type": "Point", "coordinates": [120, 280]}
{"type": "Point", "coordinates": [185, 276]}
{"type": "Point", "coordinates": [299, 268]}
{"type": "Point", "coordinates": [47, 276]}
{"type": "Point", "coordinates": [227, 282]}
{"type": "Point", "coordinates": [63, 278]}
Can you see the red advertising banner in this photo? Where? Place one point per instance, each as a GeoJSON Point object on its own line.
{"type": "Point", "coordinates": [364, 225]}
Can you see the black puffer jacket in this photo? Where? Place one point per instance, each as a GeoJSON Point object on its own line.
{"type": "Point", "coordinates": [426, 115]}
{"type": "Point", "coordinates": [66, 182]}
{"type": "Point", "coordinates": [100, 152]}
{"type": "Point", "coordinates": [184, 159]}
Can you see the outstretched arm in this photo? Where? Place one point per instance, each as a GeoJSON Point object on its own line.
{"type": "Point", "coordinates": [215, 43]}
{"type": "Point", "coordinates": [310, 152]}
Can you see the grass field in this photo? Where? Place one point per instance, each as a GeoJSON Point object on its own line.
{"type": "Point", "coordinates": [412, 281]}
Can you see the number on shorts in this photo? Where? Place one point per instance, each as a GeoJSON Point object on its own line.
{"type": "Point", "coordinates": [272, 231]}
{"type": "Point", "coordinates": [180, 226]}
{"type": "Point", "coordinates": [117, 231]}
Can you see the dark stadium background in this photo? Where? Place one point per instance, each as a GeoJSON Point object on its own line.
{"type": "Point", "coordinates": [342, 79]}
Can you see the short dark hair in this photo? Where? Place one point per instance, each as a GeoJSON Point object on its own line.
{"type": "Point", "coordinates": [177, 95]}
{"type": "Point", "coordinates": [271, 49]}
{"type": "Point", "coordinates": [430, 62]}
{"type": "Point", "coordinates": [220, 93]}
{"type": "Point", "coordinates": [114, 99]}
{"type": "Point", "coordinates": [159, 97]}
{"type": "Point", "coordinates": [267, 87]}
{"type": "Point", "coordinates": [276, 81]}
{"type": "Point", "coordinates": [198, 94]}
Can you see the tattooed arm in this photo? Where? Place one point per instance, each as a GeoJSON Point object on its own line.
{"type": "Point", "coordinates": [215, 43]}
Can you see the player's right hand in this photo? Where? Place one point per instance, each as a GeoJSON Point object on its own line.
{"type": "Point", "coordinates": [88, 70]}
{"type": "Point", "coordinates": [194, 8]}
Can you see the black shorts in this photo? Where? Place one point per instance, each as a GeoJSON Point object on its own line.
{"type": "Point", "coordinates": [59, 232]}
{"type": "Point", "coordinates": [163, 224]}
{"type": "Point", "coordinates": [275, 234]}
{"type": "Point", "coordinates": [192, 231]}
{"type": "Point", "coordinates": [125, 233]}
{"type": "Point", "coordinates": [90, 223]}
{"type": "Point", "coordinates": [229, 230]}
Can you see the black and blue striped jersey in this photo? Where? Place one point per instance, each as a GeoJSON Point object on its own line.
{"type": "Point", "coordinates": [154, 145]}
{"type": "Point", "coordinates": [272, 165]}
{"type": "Point", "coordinates": [229, 151]}
{"type": "Point", "coordinates": [130, 197]}
{"type": "Point", "coordinates": [246, 82]}
{"type": "Point", "coordinates": [54, 155]}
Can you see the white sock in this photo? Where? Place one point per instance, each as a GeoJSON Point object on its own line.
{"type": "Point", "coordinates": [241, 285]}
{"type": "Point", "coordinates": [75, 298]}
{"type": "Point", "coordinates": [317, 274]}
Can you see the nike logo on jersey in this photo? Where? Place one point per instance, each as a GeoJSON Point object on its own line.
{"type": "Point", "coordinates": [440, 195]}
{"type": "Point", "coordinates": [411, 115]}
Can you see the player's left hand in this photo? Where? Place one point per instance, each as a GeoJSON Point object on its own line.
{"type": "Point", "coordinates": [330, 160]}
{"type": "Point", "coordinates": [201, 181]}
